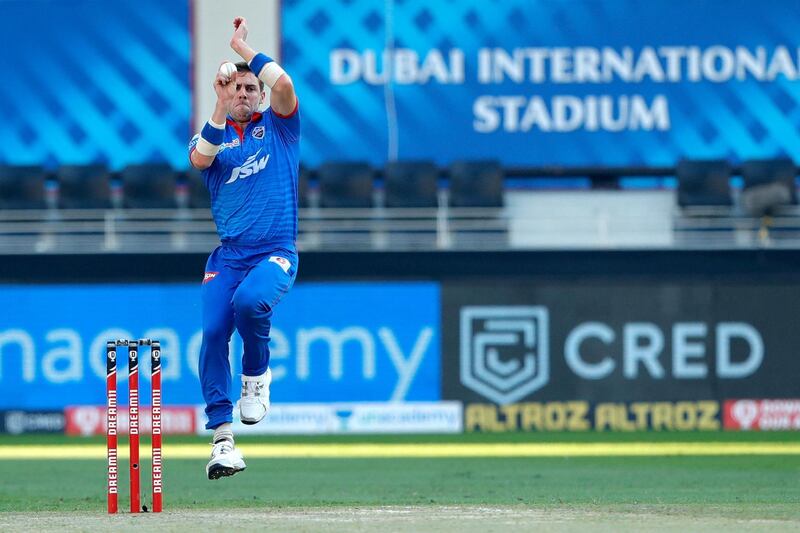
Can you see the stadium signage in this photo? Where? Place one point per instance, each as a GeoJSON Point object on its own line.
{"type": "Point", "coordinates": [582, 416]}
{"type": "Point", "coordinates": [499, 81]}
{"type": "Point", "coordinates": [484, 371]}
{"type": "Point", "coordinates": [17, 422]}
{"type": "Point", "coordinates": [626, 343]}
{"type": "Point", "coordinates": [367, 417]}
{"type": "Point", "coordinates": [91, 420]}
{"type": "Point", "coordinates": [762, 415]}
{"type": "Point", "coordinates": [332, 342]}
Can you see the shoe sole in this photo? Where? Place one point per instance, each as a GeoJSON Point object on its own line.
{"type": "Point", "coordinates": [218, 471]}
{"type": "Point", "coordinates": [251, 422]}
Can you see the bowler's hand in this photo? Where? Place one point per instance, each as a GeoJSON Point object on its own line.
{"type": "Point", "coordinates": [239, 33]}
{"type": "Point", "coordinates": [225, 89]}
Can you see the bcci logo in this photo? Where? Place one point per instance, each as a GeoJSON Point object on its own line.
{"type": "Point", "coordinates": [504, 351]}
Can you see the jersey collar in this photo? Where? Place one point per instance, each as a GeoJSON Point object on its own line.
{"type": "Point", "coordinates": [235, 125]}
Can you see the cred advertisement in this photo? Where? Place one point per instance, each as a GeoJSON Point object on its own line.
{"type": "Point", "coordinates": [616, 356]}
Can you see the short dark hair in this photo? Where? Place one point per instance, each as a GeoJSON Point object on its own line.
{"type": "Point", "coordinates": [242, 66]}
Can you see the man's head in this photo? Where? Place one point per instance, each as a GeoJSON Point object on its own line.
{"type": "Point", "coordinates": [249, 93]}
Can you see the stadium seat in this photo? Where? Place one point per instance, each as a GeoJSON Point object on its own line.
{"type": "Point", "coordinates": [22, 187]}
{"type": "Point", "coordinates": [345, 184]}
{"type": "Point", "coordinates": [768, 184]}
{"type": "Point", "coordinates": [83, 187]}
{"type": "Point", "coordinates": [199, 197]}
{"type": "Point", "coordinates": [476, 184]}
{"type": "Point", "coordinates": [411, 184]}
{"type": "Point", "coordinates": [149, 186]}
{"type": "Point", "coordinates": [703, 183]}
{"type": "Point", "coordinates": [304, 187]}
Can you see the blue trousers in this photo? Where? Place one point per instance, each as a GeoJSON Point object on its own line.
{"type": "Point", "coordinates": [241, 288]}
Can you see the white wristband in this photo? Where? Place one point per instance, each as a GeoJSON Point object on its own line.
{"type": "Point", "coordinates": [270, 73]}
{"type": "Point", "coordinates": [206, 148]}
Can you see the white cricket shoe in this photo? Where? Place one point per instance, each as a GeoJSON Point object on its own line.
{"type": "Point", "coordinates": [225, 461]}
{"type": "Point", "coordinates": [255, 398]}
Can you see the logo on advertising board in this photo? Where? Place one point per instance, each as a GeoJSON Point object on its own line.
{"type": "Point", "coordinates": [580, 415]}
{"type": "Point", "coordinates": [91, 420]}
{"type": "Point", "coordinates": [17, 422]}
{"type": "Point", "coordinates": [333, 342]}
{"type": "Point", "coordinates": [367, 417]}
{"type": "Point", "coordinates": [504, 351]}
{"type": "Point", "coordinates": [532, 342]}
{"type": "Point", "coordinates": [746, 415]}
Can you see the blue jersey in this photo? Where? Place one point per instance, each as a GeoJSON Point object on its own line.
{"type": "Point", "coordinates": [253, 181]}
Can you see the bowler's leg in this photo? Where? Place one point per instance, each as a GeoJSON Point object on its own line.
{"type": "Point", "coordinates": [215, 367]}
{"type": "Point", "coordinates": [254, 301]}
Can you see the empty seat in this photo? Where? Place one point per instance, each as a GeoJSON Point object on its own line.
{"type": "Point", "coordinates": [476, 184]}
{"type": "Point", "coordinates": [83, 187]}
{"type": "Point", "coordinates": [704, 183]}
{"type": "Point", "coordinates": [411, 184]}
{"type": "Point", "coordinates": [345, 184]}
{"type": "Point", "coordinates": [199, 197]}
{"type": "Point", "coordinates": [22, 187]}
{"type": "Point", "coordinates": [768, 184]}
{"type": "Point", "coordinates": [149, 186]}
{"type": "Point", "coordinates": [304, 187]}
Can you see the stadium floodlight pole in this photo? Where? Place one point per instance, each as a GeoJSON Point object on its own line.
{"type": "Point", "coordinates": [111, 425]}
{"type": "Point", "coordinates": [133, 422]}
{"type": "Point", "coordinates": [155, 423]}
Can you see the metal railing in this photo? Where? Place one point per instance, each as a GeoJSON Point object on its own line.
{"type": "Point", "coordinates": [192, 230]}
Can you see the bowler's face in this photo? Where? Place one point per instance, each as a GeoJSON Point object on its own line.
{"type": "Point", "coordinates": [247, 98]}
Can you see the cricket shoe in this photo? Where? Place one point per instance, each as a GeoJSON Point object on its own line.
{"type": "Point", "coordinates": [255, 398]}
{"type": "Point", "coordinates": [225, 461]}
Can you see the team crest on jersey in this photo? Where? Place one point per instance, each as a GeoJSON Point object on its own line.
{"type": "Point", "coordinates": [258, 132]}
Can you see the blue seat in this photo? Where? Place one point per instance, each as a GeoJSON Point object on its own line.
{"type": "Point", "coordinates": [198, 195]}
{"type": "Point", "coordinates": [149, 186]}
{"type": "Point", "coordinates": [476, 184]}
{"type": "Point", "coordinates": [704, 183]}
{"type": "Point", "coordinates": [411, 184]}
{"type": "Point", "coordinates": [84, 187]}
{"type": "Point", "coordinates": [22, 187]}
{"type": "Point", "coordinates": [345, 184]}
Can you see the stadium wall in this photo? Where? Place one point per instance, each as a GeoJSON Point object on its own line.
{"type": "Point", "coordinates": [665, 340]}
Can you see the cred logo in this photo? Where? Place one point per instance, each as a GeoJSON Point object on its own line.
{"type": "Point", "coordinates": [504, 351]}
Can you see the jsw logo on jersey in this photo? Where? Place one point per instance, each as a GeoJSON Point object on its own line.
{"type": "Point", "coordinates": [251, 166]}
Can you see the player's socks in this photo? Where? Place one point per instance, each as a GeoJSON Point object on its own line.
{"type": "Point", "coordinates": [225, 460]}
{"type": "Point", "coordinates": [223, 432]}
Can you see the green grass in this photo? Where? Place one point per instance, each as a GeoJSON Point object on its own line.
{"type": "Point", "coordinates": [746, 486]}
{"type": "Point", "coordinates": [664, 436]}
